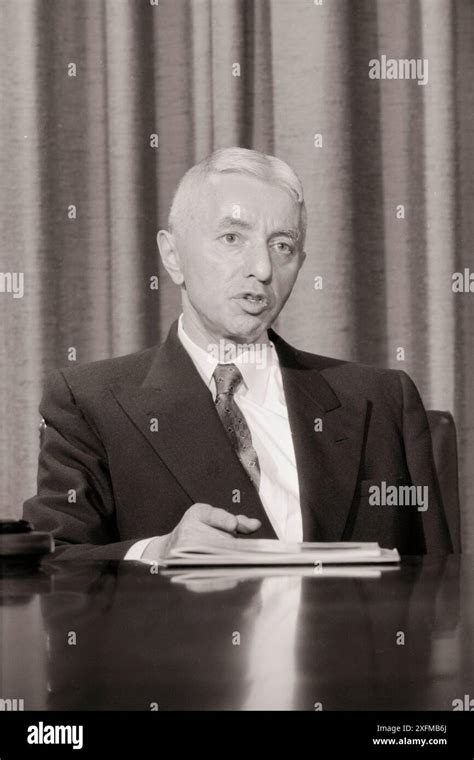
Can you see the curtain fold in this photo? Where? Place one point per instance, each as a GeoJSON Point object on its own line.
{"type": "Point", "coordinates": [89, 164]}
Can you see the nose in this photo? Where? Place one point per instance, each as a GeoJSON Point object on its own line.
{"type": "Point", "coordinates": [259, 263]}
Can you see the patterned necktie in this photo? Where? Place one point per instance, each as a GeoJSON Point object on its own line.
{"type": "Point", "coordinates": [228, 379]}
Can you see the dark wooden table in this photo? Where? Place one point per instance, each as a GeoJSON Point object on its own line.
{"type": "Point", "coordinates": [118, 636]}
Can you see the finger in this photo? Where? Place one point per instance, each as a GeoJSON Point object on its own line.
{"type": "Point", "coordinates": [198, 533]}
{"type": "Point", "coordinates": [218, 518]}
{"type": "Point", "coordinates": [247, 524]}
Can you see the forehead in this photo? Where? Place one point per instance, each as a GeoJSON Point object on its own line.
{"type": "Point", "coordinates": [249, 198]}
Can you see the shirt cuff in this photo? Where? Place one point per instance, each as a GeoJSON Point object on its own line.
{"type": "Point", "coordinates": [136, 550]}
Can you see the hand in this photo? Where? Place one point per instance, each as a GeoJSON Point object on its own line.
{"type": "Point", "coordinates": [200, 524]}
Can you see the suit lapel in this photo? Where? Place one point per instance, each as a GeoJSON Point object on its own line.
{"type": "Point", "coordinates": [193, 445]}
{"type": "Point", "coordinates": [327, 460]}
{"type": "Point", "coordinates": [190, 438]}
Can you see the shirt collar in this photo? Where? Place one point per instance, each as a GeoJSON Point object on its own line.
{"type": "Point", "coordinates": [255, 364]}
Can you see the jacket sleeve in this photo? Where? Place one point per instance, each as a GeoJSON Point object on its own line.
{"type": "Point", "coordinates": [422, 469]}
{"type": "Point", "coordinates": [74, 499]}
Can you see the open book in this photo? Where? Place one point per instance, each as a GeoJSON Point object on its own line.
{"type": "Point", "coordinates": [251, 551]}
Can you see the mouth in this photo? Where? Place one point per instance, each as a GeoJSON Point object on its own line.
{"type": "Point", "coordinates": [253, 303]}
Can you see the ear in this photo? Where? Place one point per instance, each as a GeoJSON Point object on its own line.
{"type": "Point", "coordinates": [170, 256]}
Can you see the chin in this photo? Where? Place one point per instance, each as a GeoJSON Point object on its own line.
{"type": "Point", "coordinates": [248, 328]}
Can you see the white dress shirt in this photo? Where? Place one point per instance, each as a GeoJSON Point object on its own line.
{"type": "Point", "coordinates": [262, 401]}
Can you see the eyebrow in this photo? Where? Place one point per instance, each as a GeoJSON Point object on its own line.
{"type": "Point", "coordinates": [230, 221]}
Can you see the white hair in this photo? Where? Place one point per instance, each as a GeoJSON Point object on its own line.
{"type": "Point", "coordinates": [264, 167]}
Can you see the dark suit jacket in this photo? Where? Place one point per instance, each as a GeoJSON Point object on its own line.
{"type": "Point", "coordinates": [130, 481]}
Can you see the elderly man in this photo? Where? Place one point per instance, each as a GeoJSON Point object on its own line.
{"type": "Point", "coordinates": [226, 428]}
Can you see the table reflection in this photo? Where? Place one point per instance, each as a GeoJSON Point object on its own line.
{"type": "Point", "coordinates": [120, 637]}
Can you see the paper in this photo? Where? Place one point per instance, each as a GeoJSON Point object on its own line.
{"type": "Point", "coordinates": [245, 551]}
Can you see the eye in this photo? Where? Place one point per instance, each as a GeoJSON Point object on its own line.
{"type": "Point", "coordinates": [283, 247]}
{"type": "Point", "coordinates": [230, 238]}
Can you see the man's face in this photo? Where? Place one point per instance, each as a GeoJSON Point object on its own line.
{"type": "Point", "coordinates": [240, 256]}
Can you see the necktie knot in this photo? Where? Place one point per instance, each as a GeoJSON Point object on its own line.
{"type": "Point", "coordinates": [227, 378]}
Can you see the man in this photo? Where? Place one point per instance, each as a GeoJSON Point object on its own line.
{"type": "Point", "coordinates": [226, 428]}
